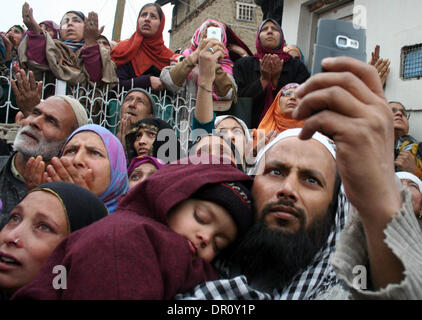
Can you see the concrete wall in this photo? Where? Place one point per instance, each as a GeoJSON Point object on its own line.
{"type": "Point", "coordinates": [392, 24]}
{"type": "Point", "coordinates": [223, 10]}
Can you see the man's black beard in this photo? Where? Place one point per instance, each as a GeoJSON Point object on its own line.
{"type": "Point", "coordinates": [270, 257]}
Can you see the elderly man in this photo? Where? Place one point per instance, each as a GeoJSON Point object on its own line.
{"type": "Point", "coordinates": [137, 105]}
{"type": "Point", "coordinates": [298, 220]}
{"type": "Point", "coordinates": [414, 184]}
{"type": "Point", "coordinates": [43, 133]}
{"type": "Point", "coordinates": [408, 155]}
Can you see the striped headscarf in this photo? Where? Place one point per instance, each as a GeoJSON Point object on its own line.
{"type": "Point", "coordinates": [226, 63]}
{"type": "Point", "coordinates": [119, 183]}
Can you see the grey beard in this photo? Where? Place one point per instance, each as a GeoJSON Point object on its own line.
{"type": "Point", "coordinates": [45, 148]}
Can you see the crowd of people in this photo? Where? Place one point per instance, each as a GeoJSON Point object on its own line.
{"type": "Point", "coordinates": [324, 177]}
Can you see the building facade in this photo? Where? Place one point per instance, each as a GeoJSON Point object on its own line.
{"type": "Point", "coordinates": [392, 24]}
{"type": "Point", "coordinates": [242, 16]}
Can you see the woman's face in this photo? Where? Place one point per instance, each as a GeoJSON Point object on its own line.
{"type": "Point", "coordinates": [15, 36]}
{"type": "Point", "coordinates": [144, 142]}
{"type": "Point", "coordinates": [72, 27]}
{"type": "Point", "coordinates": [149, 21]}
{"type": "Point", "coordinates": [233, 131]}
{"type": "Point", "coordinates": [216, 146]}
{"type": "Point", "coordinates": [416, 195]}
{"type": "Point", "coordinates": [36, 226]}
{"type": "Point", "coordinates": [141, 173]}
{"type": "Point", "coordinates": [270, 36]}
{"type": "Point", "coordinates": [288, 102]}
{"type": "Point", "coordinates": [48, 29]}
{"type": "Point", "coordinates": [86, 150]}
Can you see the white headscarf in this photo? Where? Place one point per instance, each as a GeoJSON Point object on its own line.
{"type": "Point", "coordinates": [403, 175]}
{"type": "Point", "coordinates": [219, 119]}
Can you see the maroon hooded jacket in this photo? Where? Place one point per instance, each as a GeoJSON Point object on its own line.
{"type": "Point", "coordinates": [133, 254]}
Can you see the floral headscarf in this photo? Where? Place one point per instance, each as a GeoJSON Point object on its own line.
{"type": "Point", "coordinates": [119, 183]}
{"type": "Point", "coordinates": [274, 118]}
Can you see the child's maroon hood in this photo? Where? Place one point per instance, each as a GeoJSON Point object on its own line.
{"type": "Point", "coordinates": [173, 183]}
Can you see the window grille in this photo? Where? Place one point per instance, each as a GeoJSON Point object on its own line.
{"type": "Point", "coordinates": [245, 11]}
{"type": "Point", "coordinates": [411, 62]}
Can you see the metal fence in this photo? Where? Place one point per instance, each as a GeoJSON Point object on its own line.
{"type": "Point", "coordinates": [103, 105]}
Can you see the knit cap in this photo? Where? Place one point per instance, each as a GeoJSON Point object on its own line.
{"type": "Point", "coordinates": [234, 197]}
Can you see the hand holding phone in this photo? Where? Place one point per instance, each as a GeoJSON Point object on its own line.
{"type": "Point", "coordinates": [214, 33]}
{"type": "Point", "coordinates": [338, 38]}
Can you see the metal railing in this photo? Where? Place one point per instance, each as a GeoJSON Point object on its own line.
{"type": "Point", "coordinates": [103, 105]}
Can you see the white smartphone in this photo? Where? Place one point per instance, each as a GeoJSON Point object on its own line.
{"type": "Point", "coordinates": [214, 33]}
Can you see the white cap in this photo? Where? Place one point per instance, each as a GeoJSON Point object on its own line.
{"type": "Point", "coordinates": [403, 175]}
{"type": "Point", "coordinates": [325, 141]}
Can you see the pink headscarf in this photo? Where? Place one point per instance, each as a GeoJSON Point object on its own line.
{"type": "Point", "coordinates": [226, 63]}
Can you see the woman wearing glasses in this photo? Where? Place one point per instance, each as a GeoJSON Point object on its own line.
{"type": "Point", "coordinates": [279, 116]}
{"type": "Point", "coordinates": [408, 152]}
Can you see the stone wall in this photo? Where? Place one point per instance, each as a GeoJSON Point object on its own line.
{"type": "Point", "coordinates": [190, 14]}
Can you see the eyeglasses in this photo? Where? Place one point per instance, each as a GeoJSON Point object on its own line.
{"type": "Point", "coordinates": [402, 111]}
{"type": "Point", "coordinates": [289, 93]}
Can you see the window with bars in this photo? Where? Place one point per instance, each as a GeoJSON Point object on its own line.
{"type": "Point", "coordinates": [411, 62]}
{"type": "Point", "coordinates": [245, 11]}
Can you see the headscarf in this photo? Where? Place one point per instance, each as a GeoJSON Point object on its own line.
{"type": "Point", "coordinates": [155, 125]}
{"type": "Point", "coordinates": [245, 128]}
{"type": "Point", "coordinates": [143, 52]}
{"type": "Point", "coordinates": [74, 45]}
{"type": "Point", "coordinates": [80, 205]}
{"type": "Point", "coordinates": [274, 118]}
{"type": "Point", "coordinates": [136, 162]}
{"type": "Point", "coordinates": [261, 52]}
{"type": "Point", "coordinates": [119, 183]}
{"type": "Point", "coordinates": [21, 28]}
{"type": "Point", "coordinates": [232, 38]}
{"type": "Point", "coordinates": [226, 63]}
{"type": "Point", "coordinates": [53, 26]}
{"type": "Point", "coordinates": [403, 175]}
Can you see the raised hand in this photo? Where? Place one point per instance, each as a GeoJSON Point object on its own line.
{"type": "Point", "coordinates": [91, 31]}
{"type": "Point", "coordinates": [28, 18]}
{"type": "Point", "coordinates": [34, 173]}
{"type": "Point", "coordinates": [28, 92]}
{"type": "Point", "coordinates": [62, 169]}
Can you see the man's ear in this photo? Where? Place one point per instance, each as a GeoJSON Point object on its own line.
{"type": "Point", "coordinates": [19, 118]}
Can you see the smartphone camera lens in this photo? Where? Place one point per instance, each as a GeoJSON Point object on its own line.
{"type": "Point", "coordinates": [342, 41]}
